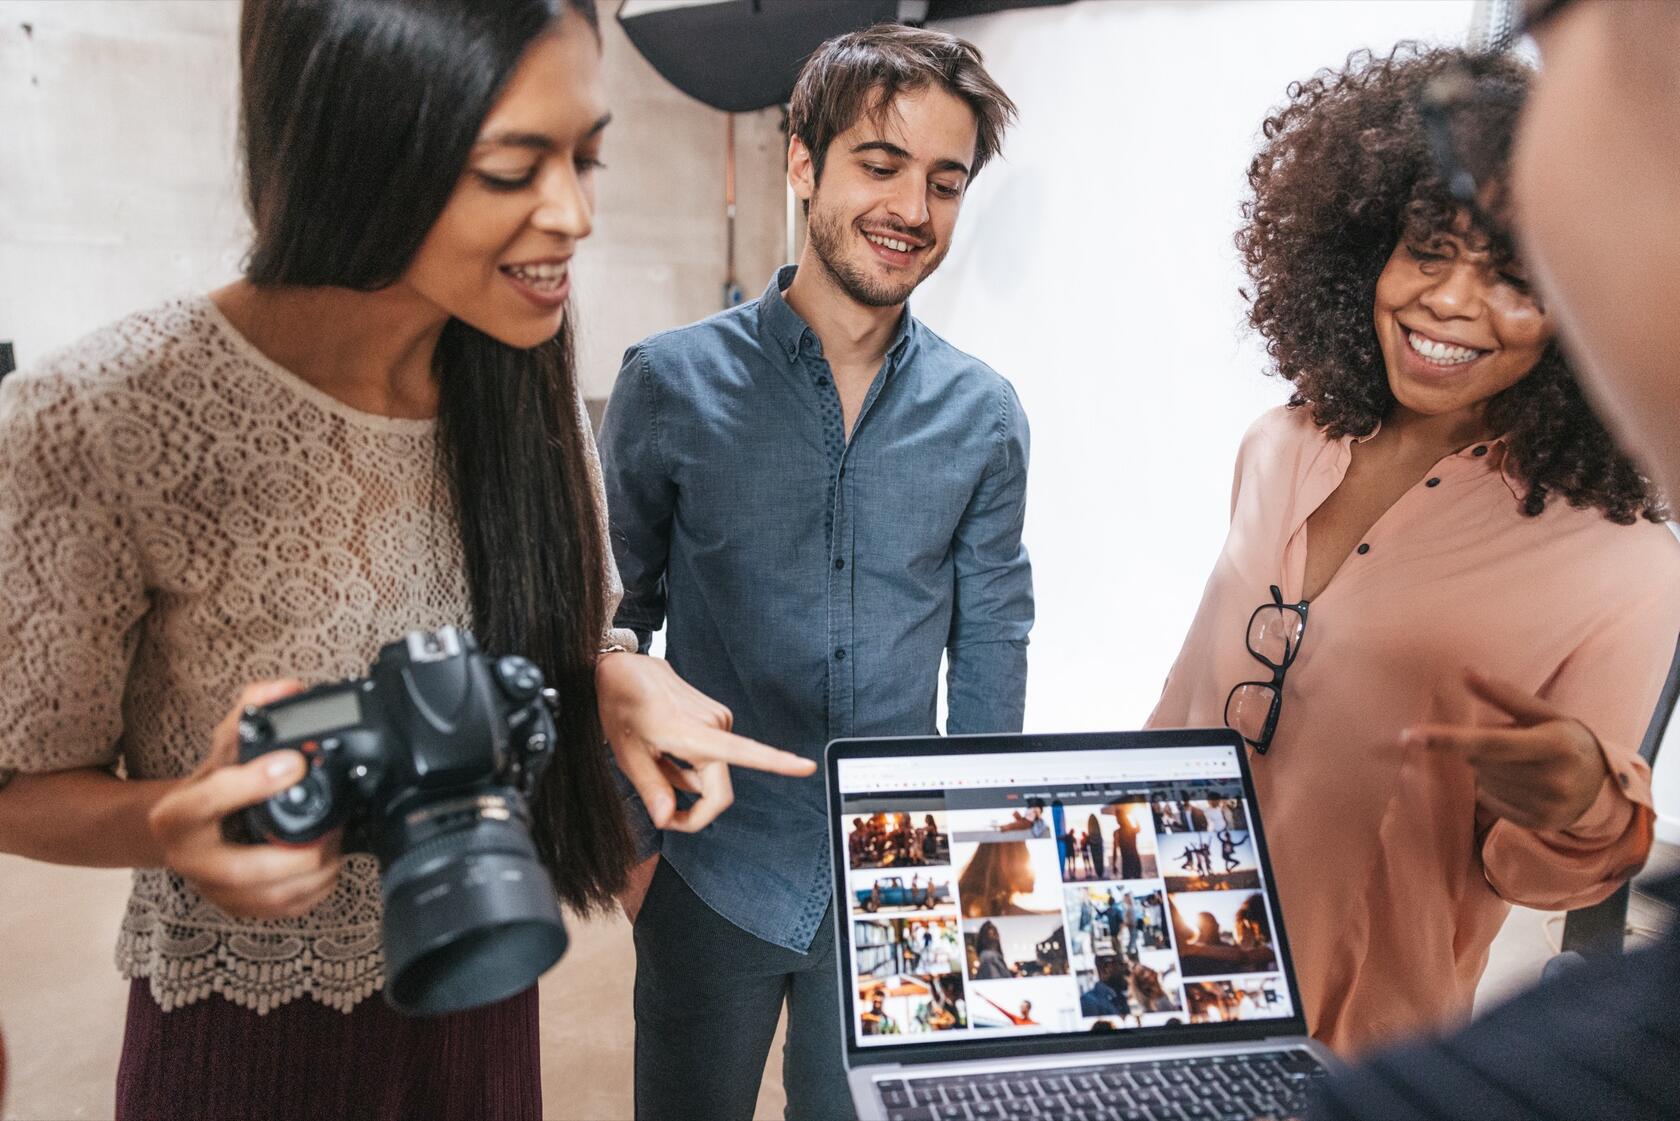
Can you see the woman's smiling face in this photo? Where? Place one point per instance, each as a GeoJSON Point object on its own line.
{"type": "Point", "coordinates": [1456, 328]}
{"type": "Point", "coordinates": [498, 257]}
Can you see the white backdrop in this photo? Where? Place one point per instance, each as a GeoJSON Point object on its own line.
{"type": "Point", "coordinates": [1094, 267]}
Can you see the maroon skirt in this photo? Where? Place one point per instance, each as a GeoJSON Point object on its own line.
{"type": "Point", "coordinates": [214, 1059]}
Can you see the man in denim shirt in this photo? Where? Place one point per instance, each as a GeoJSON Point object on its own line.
{"type": "Point", "coordinates": [819, 497]}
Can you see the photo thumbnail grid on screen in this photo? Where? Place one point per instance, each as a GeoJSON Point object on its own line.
{"type": "Point", "coordinates": [1000, 910]}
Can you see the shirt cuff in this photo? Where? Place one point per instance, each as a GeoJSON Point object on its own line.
{"type": "Point", "coordinates": [1626, 791]}
{"type": "Point", "coordinates": [1607, 817]}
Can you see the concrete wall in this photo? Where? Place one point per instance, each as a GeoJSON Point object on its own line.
{"type": "Point", "coordinates": [119, 181]}
{"type": "Point", "coordinates": [657, 257]}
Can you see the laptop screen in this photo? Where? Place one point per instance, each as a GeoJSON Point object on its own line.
{"type": "Point", "coordinates": [1015, 893]}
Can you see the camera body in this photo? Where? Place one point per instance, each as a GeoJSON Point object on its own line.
{"type": "Point", "coordinates": [433, 717]}
{"type": "Point", "coordinates": [427, 763]}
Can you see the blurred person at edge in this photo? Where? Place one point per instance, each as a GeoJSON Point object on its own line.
{"type": "Point", "coordinates": [1464, 583]}
{"type": "Point", "coordinates": [818, 498]}
{"type": "Point", "coordinates": [378, 428]}
{"type": "Point", "coordinates": [1596, 184]}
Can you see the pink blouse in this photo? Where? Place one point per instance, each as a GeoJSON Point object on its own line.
{"type": "Point", "coordinates": [1393, 879]}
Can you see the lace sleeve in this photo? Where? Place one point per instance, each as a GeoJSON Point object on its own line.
{"type": "Point", "coordinates": [71, 585]}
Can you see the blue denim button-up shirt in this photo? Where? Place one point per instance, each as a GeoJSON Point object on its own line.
{"type": "Point", "coordinates": [809, 583]}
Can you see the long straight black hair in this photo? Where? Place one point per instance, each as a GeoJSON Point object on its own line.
{"type": "Point", "coordinates": [357, 118]}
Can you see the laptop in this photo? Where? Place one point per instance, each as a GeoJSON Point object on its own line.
{"type": "Point", "coordinates": [1073, 926]}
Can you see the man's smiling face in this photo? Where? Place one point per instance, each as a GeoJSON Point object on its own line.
{"type": "Point", "coordinates": [881, 219]}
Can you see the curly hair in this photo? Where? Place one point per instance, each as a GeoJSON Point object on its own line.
{"type": "Point", "coordinates": [1345, 173]}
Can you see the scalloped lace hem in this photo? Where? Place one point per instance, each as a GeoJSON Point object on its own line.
{"type": "Point", "coordinates": [202, 963]}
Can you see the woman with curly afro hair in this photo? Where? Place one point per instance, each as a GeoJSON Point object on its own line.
{"type": "Point", "coordinates": [1435, 499]}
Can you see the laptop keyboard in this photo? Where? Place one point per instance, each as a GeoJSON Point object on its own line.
{"type": "Point", "coordinates": [1239, 1087]}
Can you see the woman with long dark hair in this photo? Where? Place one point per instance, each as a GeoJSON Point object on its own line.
{"type": "Point", "coordinates": [995, 878]}
{"type": "Point", "coordinates": [989, 962]}
{"type": "Point", "coordinates": [1437, 498]}
{"type": "Point", "coordinates": [377, 429]}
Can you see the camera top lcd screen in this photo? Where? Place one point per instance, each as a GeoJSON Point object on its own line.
{"type": "Point", "coordinates": [338, 709]}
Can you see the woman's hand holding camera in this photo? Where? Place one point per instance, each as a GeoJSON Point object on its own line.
{"type": "Point", "coordinates": [653, 719]}
{"type": "Point", "coordinates": [1541, 771]}
{"type": "Point", "coordinates": [254, 881]}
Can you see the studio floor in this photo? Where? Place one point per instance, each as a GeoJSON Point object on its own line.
{"type": "Point", "coordinates": [61, 1002]}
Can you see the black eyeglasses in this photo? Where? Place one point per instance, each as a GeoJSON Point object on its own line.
{"type": "Point", "coordinates": [1274, 638]}
{"type": "Point", "coordinates": [1452, 101]}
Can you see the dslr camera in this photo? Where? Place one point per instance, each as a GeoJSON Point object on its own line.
{"type": "Point", "coordinates": [428, 763]}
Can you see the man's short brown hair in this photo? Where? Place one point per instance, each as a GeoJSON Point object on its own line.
{"type": "Point", "coordinates": [862, 72]}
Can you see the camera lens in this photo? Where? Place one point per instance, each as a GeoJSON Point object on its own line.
{"type": "Point", "coordinates": [470, 913]}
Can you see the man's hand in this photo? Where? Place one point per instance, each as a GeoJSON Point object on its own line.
{"type": "Point", "coordinates": [1541, 771]}
{"type": "Point", "coordinates": [654, 719]}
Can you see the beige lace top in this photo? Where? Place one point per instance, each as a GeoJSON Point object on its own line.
{"type": "Point", "coordinates": [179, 516]}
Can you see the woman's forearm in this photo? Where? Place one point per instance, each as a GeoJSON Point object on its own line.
{"type": "Point", "coordinates": [85, 817]}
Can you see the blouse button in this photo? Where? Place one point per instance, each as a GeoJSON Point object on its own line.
{"type": "Point", "coordinates": [1363, 549]}
{"type": "Point", "coordinates": [1433, 483]}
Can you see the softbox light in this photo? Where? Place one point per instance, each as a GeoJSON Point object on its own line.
{"type": "Point", "coordinates": [740, 55]}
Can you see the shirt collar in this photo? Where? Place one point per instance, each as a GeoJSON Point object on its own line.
{"type": "Point", "coordinates": [780, 322]}
{"type": "Point", "coordinates": [1496, 451]}
{"type": "Point", "coordinates": [1496, 456]}
{"type": "Point", "coordinates": [788, 331]}
{"type": "Point", "coordinates": [1499, 455]}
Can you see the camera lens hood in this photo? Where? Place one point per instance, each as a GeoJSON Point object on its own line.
{"type": "Point", "coordinates": [470, 919]}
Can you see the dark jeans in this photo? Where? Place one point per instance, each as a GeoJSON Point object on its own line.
{"type": "Point", "coordinates": [708, 996]}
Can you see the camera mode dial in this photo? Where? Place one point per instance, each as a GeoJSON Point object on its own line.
{"type": "Point", "coordinates": [519, 678]}
{"type": "Point", "coordinates": [300, 811]}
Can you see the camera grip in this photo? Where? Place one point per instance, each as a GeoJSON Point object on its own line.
{"type": "Point", "coordinates": [238, 829]}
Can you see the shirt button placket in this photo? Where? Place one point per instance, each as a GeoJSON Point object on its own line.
{"type": "Point", "coordinates": [840, 593]}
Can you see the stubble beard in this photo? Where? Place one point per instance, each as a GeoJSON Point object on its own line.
{"type": "Point", "coordinates": [828, 241]}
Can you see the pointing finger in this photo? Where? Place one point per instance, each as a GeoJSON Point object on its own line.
{"type": "Point", "coordinates": [709, 744]}
{"type": "Point", "coordinates": [1474, 745]}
